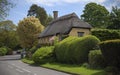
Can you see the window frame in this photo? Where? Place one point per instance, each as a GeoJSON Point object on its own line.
{"type": "Point", "coordinates": [80, 34]}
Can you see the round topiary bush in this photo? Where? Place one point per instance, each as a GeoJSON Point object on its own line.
{"type": "Point", "coordinates": [43, 54]}
{"type": "Point", "coordinates": [3, 51]}
{"type": "Point", "coordinates": [75, 49]}
{"type": "Point", "coordinates": [111, 51]}
{"type": "Point", "coordinates": [96, 59]}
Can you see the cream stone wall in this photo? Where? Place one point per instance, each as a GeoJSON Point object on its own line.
{"type": "Point", "coordinates": [74, 31]}
{"type": "Point", "coordinates": [44, 40]}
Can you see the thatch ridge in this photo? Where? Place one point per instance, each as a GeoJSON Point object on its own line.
{"type": "Point", "coordinates": [63, 24]}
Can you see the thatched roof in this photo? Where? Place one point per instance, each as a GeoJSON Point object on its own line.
{"type": "Point", "coordinates": [63, 25]}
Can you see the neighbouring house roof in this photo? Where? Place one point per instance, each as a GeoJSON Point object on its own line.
{"type": "Point", "coordinates": [63, 25]}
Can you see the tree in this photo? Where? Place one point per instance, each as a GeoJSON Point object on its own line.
{"type": "Point", "coordinates": [38, 12]}
{"type": "Point", "coordinates": [28, 31]}
{"type": "Point", "coordinates": [8, 36]}
{"type": "Point", "coordinates": [114, 18]}
{"type": "Point", "coordinates": [96, 15]}
{"type": "Point", "coordinates": [49, 19]}
{"type": "Point", "coordinates": [5, 6]}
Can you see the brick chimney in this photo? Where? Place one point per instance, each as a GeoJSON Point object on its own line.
{"type": "Point", "coordinates": [55, 14]}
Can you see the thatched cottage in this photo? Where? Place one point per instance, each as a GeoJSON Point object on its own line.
{"type": "Point", "coordinates": [67, 25]}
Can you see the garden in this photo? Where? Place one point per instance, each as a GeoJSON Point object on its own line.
{"type": "Point", "coordinates": [95, 54]}
{"type": "Point", "coordinates": [82, 55]}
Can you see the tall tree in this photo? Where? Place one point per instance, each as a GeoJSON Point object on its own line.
{"type": "Point", "coordinates": [28, 31]}
{"type": "Point", "coordinates": [38, 12]}
{"type": "Point", "coordinates": [114, 18]}
{"type": "Point", "coordinates": [49, 19]}
{"type": "Point", "coordinates": [96, 15]}
{"type": "Point", "coordinates": [5, 5]}
{"type": "Point", "coordinates": [8, 35]}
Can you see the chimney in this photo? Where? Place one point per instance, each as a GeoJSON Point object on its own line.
{"type": "Point", "coordinates": [55, 14]}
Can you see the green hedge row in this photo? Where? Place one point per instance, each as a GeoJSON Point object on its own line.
{"type": "Point", "coordinates": [75, 49]}
{"type": "Point", "coordinates": [96, 59]}
{"type": "Point", "coordinates": [43, 55]}
{"type": "Point", "coordinates": [111, 52]}
{"type": "Point", "coordinates": [106, 34]}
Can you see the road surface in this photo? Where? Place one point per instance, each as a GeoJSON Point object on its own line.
{"type": "Point", "coordinates": [12, 65]}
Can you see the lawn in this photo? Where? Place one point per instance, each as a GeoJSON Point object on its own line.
{"type": "Point", "coordinates": [75, 69]}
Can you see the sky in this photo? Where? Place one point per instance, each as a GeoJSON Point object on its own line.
{"type": "Point", "coordinates": [20, 10]}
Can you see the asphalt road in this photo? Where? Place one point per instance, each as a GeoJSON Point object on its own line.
{"type": "Point", "coordinates": [12, 65]}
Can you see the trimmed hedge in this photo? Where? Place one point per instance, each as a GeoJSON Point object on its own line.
{"type": "Point", "coordinates": [111, 52]}
{"type": "Point", "coordinates": [3, 51]}
{"type": "Point", "coordinates": [43, 55]}
{"type": "Point", "coordinates": [75, 49]}
{"type": "Point", "coordinates": [106, 34]}
{"type": "Point", "coordinates": [96, 59]}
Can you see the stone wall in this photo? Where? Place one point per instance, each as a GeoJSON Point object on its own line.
{"type": "Point", "coordinates": [74, 31]}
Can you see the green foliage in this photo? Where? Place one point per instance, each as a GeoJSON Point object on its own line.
{"type": "Point", "coordinates": [5, 6]}
{"type": "Point", "coordinates": [8, 35]}
{"type": "Point", "coordinates": [111, 52]}
{"type": "Point", "coordinates": [74, 69]}
{"type": "Point", "coordinates": [86, 65]}
{"type": "Point", "coordinates": [49, 19]}
{"type": "Point", "coordinates": [28, 61]}
{"type": "Point", "coordinates": [75, 50]}
{"type": "Point", "coordinates": [96, 59]}
{"type": "Point", "coordinates": [96, 15]}
{"type": "Point", "coordinates": [28, 31]}
{"type": "Point", "coordinates": [106, 34]}
{"type": "Point", "coordinates": [9, 51]}
{"type": "Point", "coordinates": [114, 18]}
{"type": "Point", "coordinates": [33, 49]}
{"type": "Point", "coordinates": [112, 69]}
{"type": "Point", "coordinates": [43, 55]}
{"type": "Point", "coordinates": [39, 12]}
{"type": "Point", "coordinates": [3, 51]}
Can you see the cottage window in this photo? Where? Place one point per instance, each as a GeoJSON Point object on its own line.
{"type": "Point", "coordinates": [80, 34]}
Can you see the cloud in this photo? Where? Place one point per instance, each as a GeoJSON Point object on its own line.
{"type": "Point", "coordinates": [54, 2]}
{"type": "Point", "coordinates": [43, 2]}
{"type": "Point", "coordinates": [109, 3]}
{"type": "Point", "coordinates": [75, 1]}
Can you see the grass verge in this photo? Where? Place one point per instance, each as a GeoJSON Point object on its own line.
{"type": "Point", "coordinates": [28, 61]}
{"type": "Point", "coordinates": [74, 69]}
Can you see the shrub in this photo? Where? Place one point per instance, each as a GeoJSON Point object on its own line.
{"type": "Point", "coordinates": [111, 51]}
{"type": "Point", "coordinates": [96, 59]}
{"type": "Point", "coordinates": [43, 54]}
{"type": "Point", "coordinates": [86, 65]}
{"type": "Point", "coordinates": [112, 69]}
{"type": "Point", "coordinates": [33, 49]}
{"type": "Point", "coordinates": [3, 51]}
{"type": "Point", "coordinates": [9, 51]}
{"type": "Point", "coordinates": [106, 34]}
{"type": "Point", "coordinates": [62, 48]}
{"type": "Point", "coordinates": [75, 49]}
